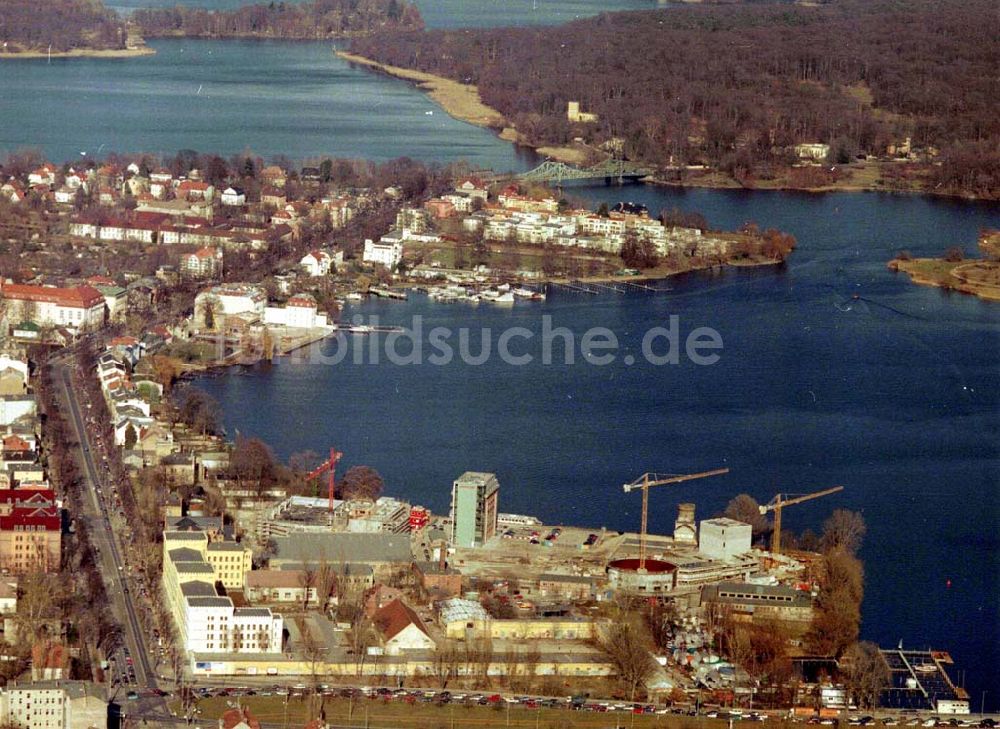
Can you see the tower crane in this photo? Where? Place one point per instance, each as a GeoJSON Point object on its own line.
{"type": "Point", "coordinates": [780, 501]}
{"type": "Point", "coordinates": [645, 482]}
{"type": "Point", "coordinates": [329, 465]}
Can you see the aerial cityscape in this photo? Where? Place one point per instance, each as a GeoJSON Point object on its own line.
{"type": "Point", "coordinates": [533, 363]}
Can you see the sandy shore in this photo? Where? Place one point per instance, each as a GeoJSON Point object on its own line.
{"type": "Point", "coordinates": [463, 102]}
{"type": "Point", "coordinates": [83, 53]}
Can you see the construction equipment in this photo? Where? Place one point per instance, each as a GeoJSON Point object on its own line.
{"type": "Point", "coordinates": [329, 465]}
{"type": "Point", "coordinates": [647, 480]}
{"type": "Point", "coordinates": [780, 501]}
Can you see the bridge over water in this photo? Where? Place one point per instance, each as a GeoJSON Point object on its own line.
{"type": "Point", "coordinates": [610, 171]}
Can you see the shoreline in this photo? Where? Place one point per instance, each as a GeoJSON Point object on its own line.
{"type": "Point", "coordinates": [946, 275]}
{"type": "Point", "coordinates": [81, 53]}
{"type": "Point", "coordinates": [462, 102]}
{"type": "Point", "coordinates": [453, 96]}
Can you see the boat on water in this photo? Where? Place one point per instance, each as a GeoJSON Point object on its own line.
{"type": "Point", "coordinates": [354, 296]}
{"type": "Point", "coordinates": [492, 296]}
{"type": "Point", "coordinates": [523, 293]}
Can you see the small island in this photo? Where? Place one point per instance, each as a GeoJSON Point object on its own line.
{"type": "Point", "coordinates": [980, 277]}
{"type": "Point", "coordinates": [66, 29]}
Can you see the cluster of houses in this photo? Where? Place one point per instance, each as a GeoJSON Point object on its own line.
{"type": "Point", "coordinates": [171, 210]}
{"type": "Point", "coordinates": [522, 219]}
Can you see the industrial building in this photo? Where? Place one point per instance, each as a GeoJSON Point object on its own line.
{"type": "Point", "coordinates": [475, 499]}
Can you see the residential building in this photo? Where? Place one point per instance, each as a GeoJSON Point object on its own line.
{"type": "Point", "coordinates": [474, 506]}
{"type": "Point", "coordinates": [76, 308]}
{"type": "Point", "coordinates": [400, 629]}
{"type": "Point", "coordinates": [54, 705]}
{"type": "Point", "coordinates": [207, 622]}
{"type": "Point", "coordinates": [384, 254]}
{"type": "Point", "coordinates": [233, 197]}
{"type": "Point", "coordinates": [318, 263]}
{"type": "Point", "coordinates": [204, 263]}
{"type": "Point", "coordinates": [298, 312]}
{"type": "Point", "coordinates": [280, 586]}
{"type": "Point", "coordinates": [814, 151]}
{"type": "Point", "coordinates": [229, 300]}
{"type": "Point", "coordinates": [31, 539]}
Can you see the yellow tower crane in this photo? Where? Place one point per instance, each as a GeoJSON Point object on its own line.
{"type": "Point", "coordinates": [647, 480]}
{"type": "Point", "coordinates": [780, 501]}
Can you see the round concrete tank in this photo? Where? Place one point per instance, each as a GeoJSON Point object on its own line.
{"type": "Point", "coordinates": [657, 577]}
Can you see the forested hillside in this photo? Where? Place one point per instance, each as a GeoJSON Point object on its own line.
{"type": "Point", "coordinates": [309, 20]}
{"type": "Point", "coordinates": [736, 86]}
{"type": "Point", "coordinates": [65, 24]}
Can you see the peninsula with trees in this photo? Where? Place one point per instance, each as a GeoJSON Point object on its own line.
{"type": "Point", "coordinates": [65, 28]}
{"type": "Point", "coordinates": [72, 28]}
{"type": "Point", "coordinates": [315, 20]}
{"type": "Point", "coordinates": [843, 95]}
{"type": "Point", "coordinates": [954, 272]}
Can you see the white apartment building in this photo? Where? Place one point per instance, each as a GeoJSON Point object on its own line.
{"type": "Point", "coordinates": [54, 705]}
{"type": "Point", "coordinates": [207, 622]}
{"type": "Point", "coordinates": [300, 311]}
{"type": "Point", "coordinates": [385, 254]}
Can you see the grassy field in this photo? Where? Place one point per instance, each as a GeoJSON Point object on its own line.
{"type": "Point", "coordinates": [375, 714]}
{"type": "Point", "coordinates": [980, 278]}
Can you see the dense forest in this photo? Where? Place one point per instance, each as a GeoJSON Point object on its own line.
{"type": "Point", "coordinates": [30, 25]}
{"type": "Point", "coordinates": [309, 20]}
{"type": "Point", "coordinates": [735, 87]}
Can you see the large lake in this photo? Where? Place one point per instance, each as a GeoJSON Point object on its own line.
{"type": "Point", "coordinates": [834, 370]}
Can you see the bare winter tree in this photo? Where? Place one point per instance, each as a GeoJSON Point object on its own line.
{"type": "Point", "coordinates": [744, 508]}
{"type": "Point", "coordinates": [625, 646]}
{"type": "Point", "coordinates": [844, 529]}
{"type": "Point", "coordinates": [865, 672]}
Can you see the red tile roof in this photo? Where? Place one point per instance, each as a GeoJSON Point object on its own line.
{"type": "Point", "coordinates": [83, 297]}
{"type": "Point", "coordinates": [47, 519]}
{"type": "Point", "coordinates": [392, 619]}
{"type": "Point", "coordinates": [234, 717]}
{"type": "Point", "coordinates": [30, 499]}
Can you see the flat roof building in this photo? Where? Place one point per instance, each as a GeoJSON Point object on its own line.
{"type": "Point", "coordinates": [475, 499]}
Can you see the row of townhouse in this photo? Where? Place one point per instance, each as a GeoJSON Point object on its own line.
{"type": "Point", "coordinates": [164, 233]}
{"type": "Point", "coordinates": [31, 518]}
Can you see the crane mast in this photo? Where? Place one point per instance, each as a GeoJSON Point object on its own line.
{"type": "Point", "coordinates": [780, 501]}
{"type": "Point", "coordinates": [648, 480]}
{"type": "Point", "coordinates": [330, 466]}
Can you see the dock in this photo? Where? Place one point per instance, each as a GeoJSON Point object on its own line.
{"type": "Point", "coordinates": [387, 294]}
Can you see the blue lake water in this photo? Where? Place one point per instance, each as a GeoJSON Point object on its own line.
{"type": "Point", "coordinates": [834, 371]}
{"type": "Point", "coordinates": [453, 13]}
{"type": "Point", "coordinates": [893, 394]}
{"type": "Point", "coordinates": [269, 97]}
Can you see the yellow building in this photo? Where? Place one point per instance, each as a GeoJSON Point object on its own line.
{"type": "Point", "coordinates": [231, 562]}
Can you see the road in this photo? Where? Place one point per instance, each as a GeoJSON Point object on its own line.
{"type": "Point", "coordinates": [107, 542]}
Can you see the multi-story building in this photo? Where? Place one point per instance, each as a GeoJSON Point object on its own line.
{"type": "Point", "coordinates": [206, 621]}
{"type": "Point", "coordinates": [385, 254]}
{"type": "Point", "coordinates": [54, 705]}
{"type": "Point", "coordinates": [30, 534]}
{"type": "Point", "coordinates": [475, 499]}
{"type": "Point", "coordinates": [77, 308]}
{"type": "Point", "coordinates": [204, 263]}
